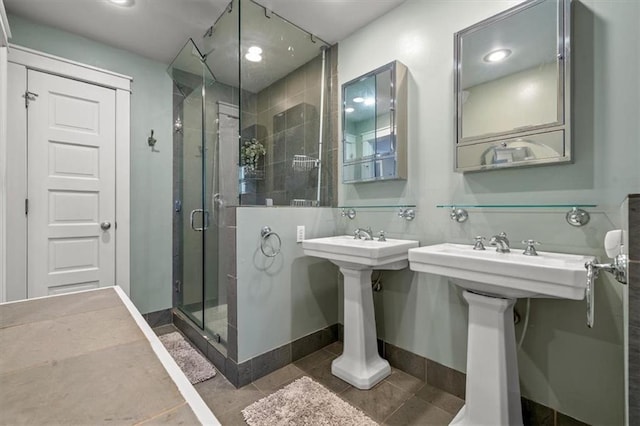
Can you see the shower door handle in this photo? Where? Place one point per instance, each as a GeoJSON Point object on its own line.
{"type": "Point", "coordinates": [205, 222]}
{"type": "Point", "coordinates": [192, 219]}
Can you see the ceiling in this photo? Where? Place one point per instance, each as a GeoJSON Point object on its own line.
{"type": "Point", "coordinates": [157, 29]}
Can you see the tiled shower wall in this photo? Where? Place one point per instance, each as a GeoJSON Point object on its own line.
{"type": "Point", "coordinates": [285, 118]}
{"type": "Point", "coordinates": [634, 309]}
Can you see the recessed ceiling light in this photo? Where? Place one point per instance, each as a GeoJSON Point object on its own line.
{"type": "Point", "coordinates": [126, 3]}
{"type": "Point", "coordinates": [254, 54]}
{"type": "Point", "coordinates": [369, 101]}
{"type": "Point", "coordinates": [358, 99]}
{"type": "Point", "coordinates": [349, 109]}
{"type": "Point", "coordinates": [253, 57]}
{"type": "Point", "coordinates": [497, 55]}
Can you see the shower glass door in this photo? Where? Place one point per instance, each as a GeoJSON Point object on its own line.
{"type": "Point", "coordinates": [198, 199]}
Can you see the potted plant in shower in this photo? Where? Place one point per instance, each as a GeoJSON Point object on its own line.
{"type": "Point", "coordinates": [251, 152]}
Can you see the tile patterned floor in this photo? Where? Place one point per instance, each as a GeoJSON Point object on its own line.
{"type": "Point", "coordinates": [62, 357]}
{"type": "Point", "coordinates": [400, 399]}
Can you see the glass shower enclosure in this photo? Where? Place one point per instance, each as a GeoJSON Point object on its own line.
{"type": "Point", "coordinates": [204, 119]}
{"type": "Point", "coordinates": [249, 127]}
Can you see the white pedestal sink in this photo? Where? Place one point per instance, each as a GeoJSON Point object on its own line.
{"type": "Point", "coordinates": [492, 282]}
{"type": "Point", "coordinates": [360, 365]}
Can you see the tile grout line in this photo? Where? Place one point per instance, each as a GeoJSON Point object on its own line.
{"type": "Point", "coordinates": [162, 413]}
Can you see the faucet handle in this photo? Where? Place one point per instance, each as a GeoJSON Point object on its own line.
{"type": "Point", "coordinates": [381, 236]}
{"type": "Point", "coordinates": [530, 250]}
{"type": "Point", "coordinates": [479, 245]}
{"type": "Point", "coordinates": [504, 235]}
{"type": "Point", "coordinates": [356, 234]}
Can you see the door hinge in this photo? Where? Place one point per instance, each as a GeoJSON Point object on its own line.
{"type": "Point", "coordinates": [177, 285]}
{"type": "Point", "coordinates": [29, 96]}
{"type": "Point", "coordinates": [26, 206]}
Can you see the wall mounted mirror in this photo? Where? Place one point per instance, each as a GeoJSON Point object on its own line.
{"type": "Point", "coordinates": [512, 93]}
{"type": "Point", "coordinates": [374, 125]}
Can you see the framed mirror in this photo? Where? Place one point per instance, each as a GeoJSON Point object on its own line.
{"type": "Point", "coordinates": [512, 88]}
{"type": "Point", "coordinates": [374, 125]}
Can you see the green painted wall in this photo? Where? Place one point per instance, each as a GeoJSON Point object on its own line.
{"type": "Point", "coordinates": [286, 297]}
{"type": "Point", "coordinates": [151, 172]}
{"type": "Point", "coordinates": [563, 364]}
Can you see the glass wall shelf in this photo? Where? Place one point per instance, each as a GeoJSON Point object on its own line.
{"type": "Point", "coordinates": [387, 206]}
{"type": "Point", "coordinates": [575, 216]}
{"type": "Point", "coordinates": [405, 211]}
{"type": "Point", "coordinates": [514, 206]}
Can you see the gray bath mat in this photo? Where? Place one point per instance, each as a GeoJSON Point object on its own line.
{"type": "Point", "coordinates": [304, 402]}
{"type": "Point", "coordinates": [196, 367]}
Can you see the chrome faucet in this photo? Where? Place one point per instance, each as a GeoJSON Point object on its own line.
{"type": "Point", "coordinates": [501, 242]}
{"type": "Point", "coordinates": [363, 234]}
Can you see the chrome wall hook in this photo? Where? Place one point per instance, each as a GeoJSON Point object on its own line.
{"type": "Point", "coordinates": [152, 141]}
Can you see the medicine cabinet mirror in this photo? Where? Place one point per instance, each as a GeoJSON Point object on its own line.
{"type": "Point", "coordinates": [374, 125]}
{"type": "Point", "coordinates": [512, 86]}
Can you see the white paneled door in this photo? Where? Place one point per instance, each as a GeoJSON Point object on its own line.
{"type": "Point", "coordinates": [71, 185]}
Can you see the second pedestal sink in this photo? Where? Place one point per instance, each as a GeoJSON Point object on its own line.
{"type": "Point", "coordinates": [360, 365]}
{"type": "Point", "coordinates": [492, 282]}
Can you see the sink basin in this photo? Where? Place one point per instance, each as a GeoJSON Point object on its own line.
{"type": "Point", "coordinates": [360, 364]}
{"type": "Point", "coordinates": [510, 275]}
{"type": "Point", "coordinates": [344, 250]}
{"type": "Point", "coordinates": [492, 282]}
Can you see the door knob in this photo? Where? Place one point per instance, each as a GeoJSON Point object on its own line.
{"type": "Point", "coordinates": [105, 226]}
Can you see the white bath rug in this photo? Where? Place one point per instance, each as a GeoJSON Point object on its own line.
{"type": "Point", "coordinates": [196, 367]}
{"type": "Point", "coordinates": [304, 402]}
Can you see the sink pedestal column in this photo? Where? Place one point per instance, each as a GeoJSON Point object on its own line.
{"type": "Point", "coordinates": [359, 365]}
{"type": "Point", "coordinates": [493, 386]}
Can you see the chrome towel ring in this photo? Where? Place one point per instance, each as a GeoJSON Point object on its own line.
{"type": "Point", "coordinates": [265, 233]}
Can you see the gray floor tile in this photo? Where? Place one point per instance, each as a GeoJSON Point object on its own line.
{"type": "Point", "coordinates": [30, 311]}
{"type": "Point", "coordinates": [182, 415]}
{"type": "Point", "coordinates": [335, 348]}
{"type": "Point", "coordinates": [232, 418]}
{"type": "Point", "coordinates": [223, 398]}
{"type": "Point", "coordinates": [312, 361]}
{"type": "Point", "coordinates": [120, 384]}
{"type": "Point", "coordinates": [279, 378]}
{"type": "Point", "coordinates": [441, 399]}
{"type": "Point", "coordinates": [379, 402]}
{"type": "Point", "coordinates": [418, 412]}
{"type": "Point", "coordinates": [392, 401]}
{"type": "Point", "coordinates": [46, 342]}
{"type": "Point", "coordinates": [404, 381]}
{"type": "Point", "coordinates": [322, 374]}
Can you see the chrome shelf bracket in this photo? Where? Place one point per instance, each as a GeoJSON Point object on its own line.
{"type": "Point", "coordinates": [408, 214]}
{"type": "Point", "coordinates": [577, 217]}
{"type": "Point", "coordinates": [350, 213]}
{"type": "Point", "coordinates": [459, 215]}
